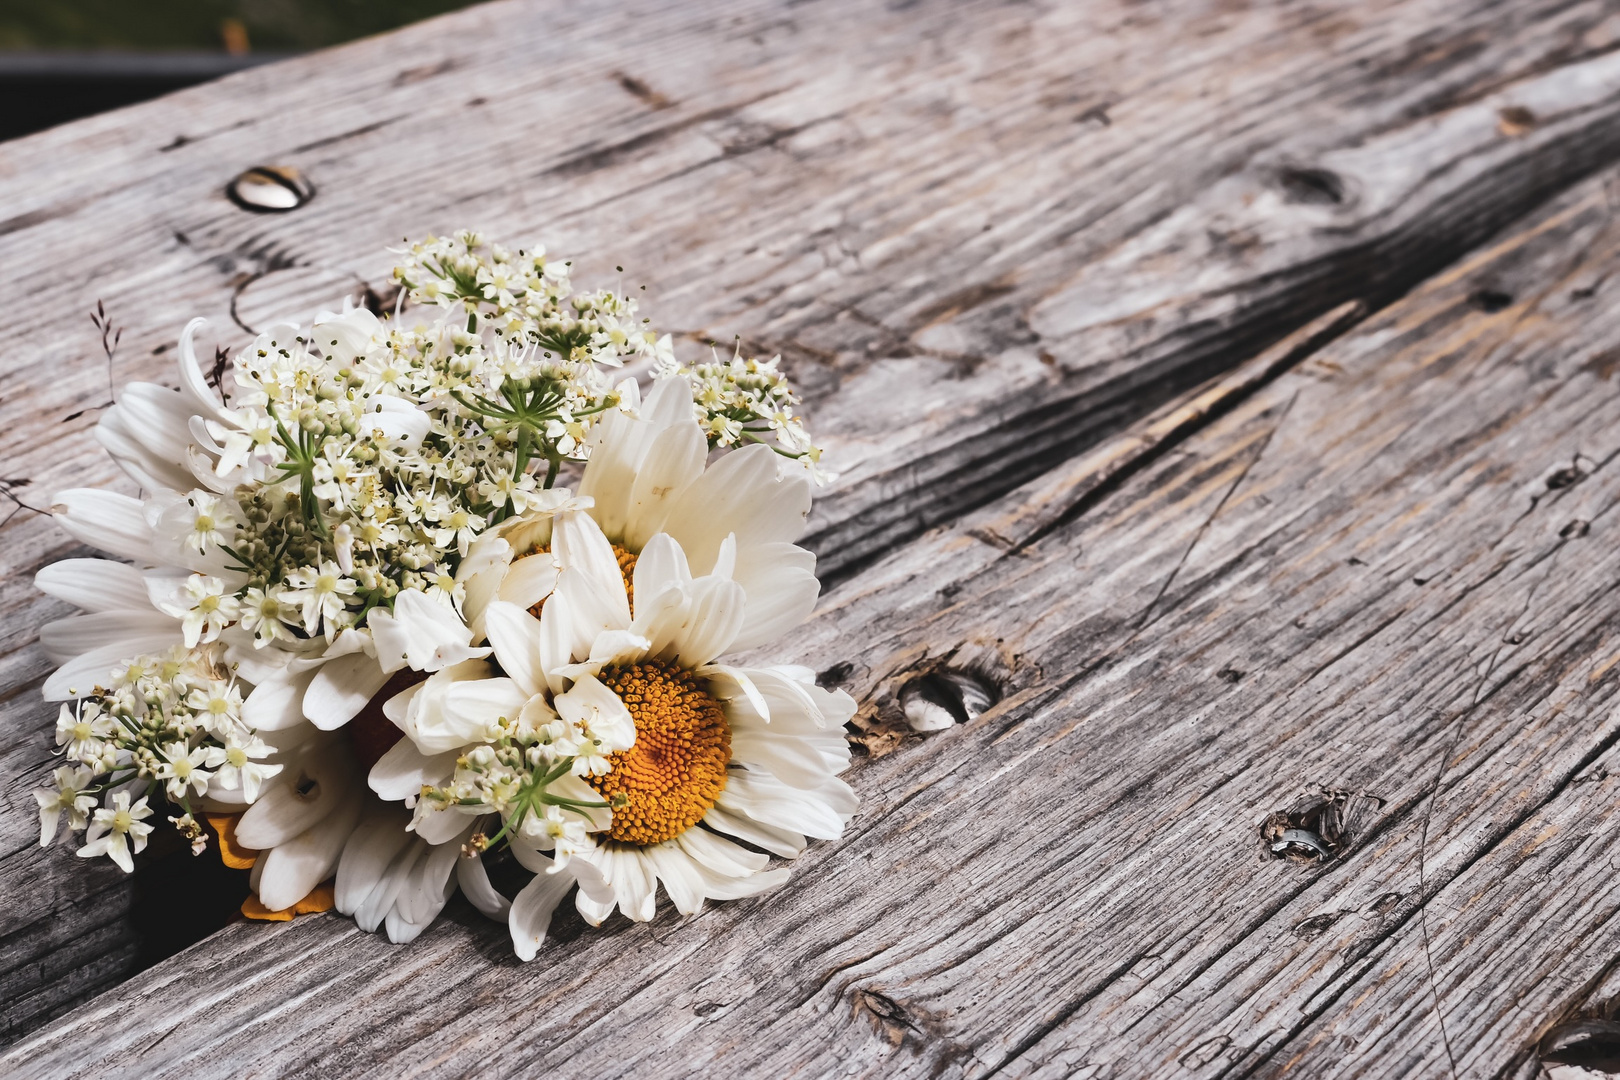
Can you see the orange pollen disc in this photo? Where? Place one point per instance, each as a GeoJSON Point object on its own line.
{"type": "Point", "coordinates": [627, 567]}
{"type": "Point", "coordinates": [677, 768]}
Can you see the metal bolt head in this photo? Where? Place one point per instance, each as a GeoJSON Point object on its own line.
{"type": "Point", "coordinates": [270, 189]}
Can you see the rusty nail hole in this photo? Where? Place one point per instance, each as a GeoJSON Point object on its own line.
{"type": "Point", "coordinates": [1515, 120]}
{"type": "Point", "coordinates": [940, 699]}
{"type": "Point", "coordinates": [1318, 186]}
{"type": "Point", "coordinates": [1318, 828]}
{"type": "Point", "coordinates": [1575, 529]}
{"type": "Point", "coordinates": [1563, 478]}
{"type": "Point", "coordinates": [650, 97]}
{"type": "Point", "coordinates": [270, 189]}
{"type": "Point", "coordinates": [1490, 301]}
{"type": "Point", "coordinates": [1588, 1044]}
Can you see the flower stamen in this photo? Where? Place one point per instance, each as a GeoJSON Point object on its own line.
{"type": "Point", "coordinates": [677, 768]}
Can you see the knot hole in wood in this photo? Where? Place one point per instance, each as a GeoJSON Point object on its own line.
{"type": "Point", "coordinates": [1319, 828]}
{"type": "Point", "coordinates": [946, 697]}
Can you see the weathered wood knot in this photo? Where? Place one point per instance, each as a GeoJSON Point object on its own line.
{"type": "Point", "coordinates": [944, 698]}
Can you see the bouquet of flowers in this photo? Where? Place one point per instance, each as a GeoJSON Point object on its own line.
{"type": "Point", "coordinates": [363, 633]}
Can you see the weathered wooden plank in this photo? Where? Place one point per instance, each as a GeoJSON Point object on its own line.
{"type": "Point", "coordinates": [984, 235]}
{"type": "Point", "coordinates": [1386, 572]}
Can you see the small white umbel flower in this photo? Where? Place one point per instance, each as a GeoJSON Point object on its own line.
{"type": "Point", "coordinates": [115, 830]}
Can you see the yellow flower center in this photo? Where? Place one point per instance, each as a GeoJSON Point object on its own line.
{"type": "Point", "coordinates": [677, 768]}
{"type": "Point", "coordinates": [627, 568]}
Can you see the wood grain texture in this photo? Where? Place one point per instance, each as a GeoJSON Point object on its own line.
{"type": "Point", "coordinates": [983, 235]}
{"type": "Point", "coordinates": [1389, 571]}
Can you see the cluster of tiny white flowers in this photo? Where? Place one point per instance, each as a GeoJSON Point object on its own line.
{"type": "Point", "coordinates": [372, 452]}
{"type": "Point", "coordinates": [744, 400]}
{"type": "Point", "coordinates": [168, 725]}
{"type": "Point", "coordinates": [376, 451]}
{"type": "Point", "coordinates": [511, 776]}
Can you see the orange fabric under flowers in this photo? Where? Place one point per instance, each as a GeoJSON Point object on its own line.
{"type": "Point", "coordinates": [237, 857]}
{"type": "Point", "coordinates": [231, 853]}
{"type": "Point", "coordinates": [322, 899]}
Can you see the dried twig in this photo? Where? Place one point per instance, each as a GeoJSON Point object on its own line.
{"type": "Point", "coordinates": [110, 337]}
{"type": "Point", "coordinates": [8, 490]}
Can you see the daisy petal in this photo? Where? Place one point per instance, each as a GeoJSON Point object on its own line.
{"type": "Point", "coordinates": [83, 673]}
{"type": "Point", "coordinates": [530, 580]}
{"type": "Point", "coordinates": [341, 688]}
{"type": "Point", "coordinates": [475, 886]}
{"type": "Point", "coordinates": [718, 608]}
{"type": "Point", "coordinates": [721, 855]}
{"type": "Point", "coordinates": [107, 522]}
{"type": "Point", "coordinates": [366, 856]}
{"type": "Point", "coordinates": [579, 545]}
{"type": "Point", "coordinates": [741, 494]}
{"type": "Point", "coordinates": [673, 463]}
{"type": "Point", "coordinates": [293, 868]}
{"type": "Point", "coordinates": [681, 881]}
{"type": "Point", "coordinates": [515, 636]}
{"type": "Point", "coordinates": [94, 585]}
{"type": "Point", "coordinates": [531, 912]}
{"type": "Point", "coordinates": [401, 772]}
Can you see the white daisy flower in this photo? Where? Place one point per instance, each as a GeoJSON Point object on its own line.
{"type": "Point", "coordinates": [719, 754]}
{"type": "Point", "coordinates": [647, 475]}
{"type": "Point", "coordinates": [317, 817]}
{"type": "Point", "coordinates": [391, 878]}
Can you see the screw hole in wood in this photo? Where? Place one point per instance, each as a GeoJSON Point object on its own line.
{"type": "Point", "coordinates": [1490, 301]}
{"type": "Point", "coordinates": [1315, 186]}
{"type": "Point", "coordinates": [1563, 478]}
{"type": "Point", "coordinates": [270, 189]}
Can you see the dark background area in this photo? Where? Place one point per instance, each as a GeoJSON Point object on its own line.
{"type": "Point", "coordinates": [64, 59]}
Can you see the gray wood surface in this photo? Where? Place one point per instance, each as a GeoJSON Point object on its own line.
{"type": "Point", "coordinates": [984, 236]}
{"type": "Point", "coordinates": [1387, 572]}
